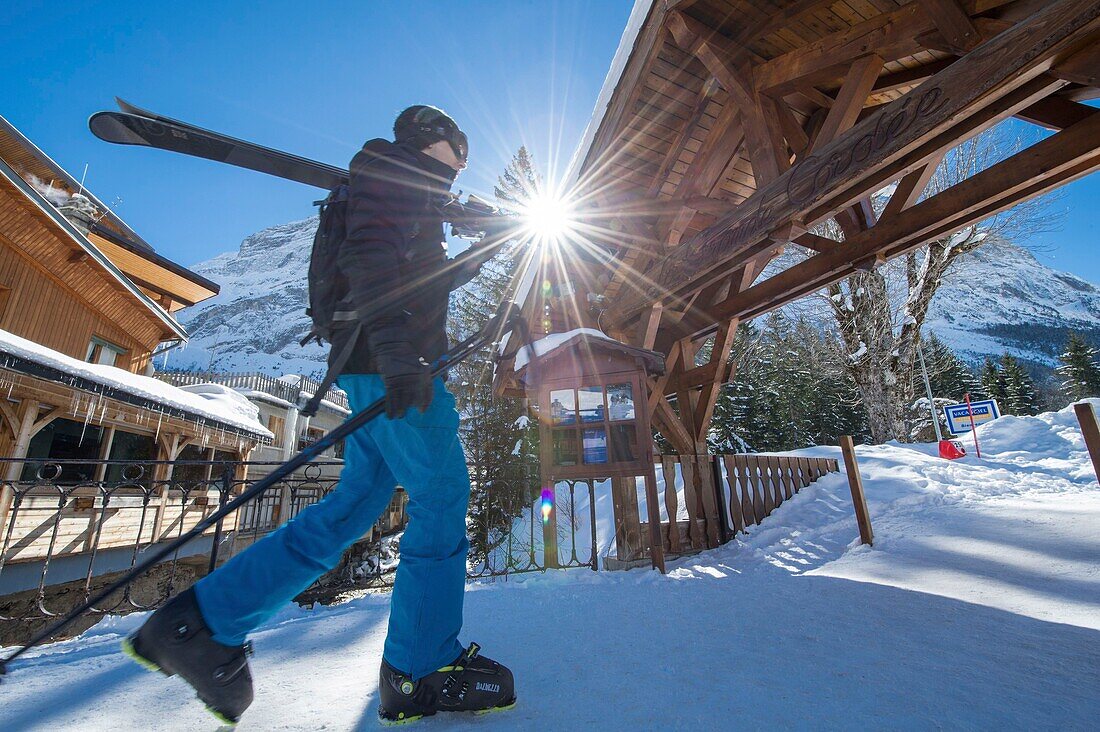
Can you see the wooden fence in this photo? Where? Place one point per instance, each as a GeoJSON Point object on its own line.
{"type": "Point", "coordinates": [723, 495]}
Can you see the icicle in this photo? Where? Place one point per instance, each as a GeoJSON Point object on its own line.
{"type": "Point", "coordinates": [157, 436]}
{"type": "Point", "coordinates": [87, 418]}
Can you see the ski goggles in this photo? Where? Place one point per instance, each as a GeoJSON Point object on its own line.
{"type": "Point", "coordinates": [431, 121]}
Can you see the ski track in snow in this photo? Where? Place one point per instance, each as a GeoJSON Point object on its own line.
{"type": "Point", "coordinates": [977, 608]}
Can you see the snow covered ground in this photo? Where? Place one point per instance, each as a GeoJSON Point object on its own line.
{"type": "Point", "coordinates": [977, 608]}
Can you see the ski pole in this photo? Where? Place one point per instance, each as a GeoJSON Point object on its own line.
{"type": "Point", "coordinates": [495, 328]}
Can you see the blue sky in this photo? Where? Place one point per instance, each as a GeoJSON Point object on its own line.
{"type": "Point", "coordinates": [318, 79]}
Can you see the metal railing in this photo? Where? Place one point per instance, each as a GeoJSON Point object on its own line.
{"type": "Point", "coordinates": [72, 526]}
{"type": "Point", "coordinates": [63, 535]}
{"type": "Point", "coordinates": [285, 390]}
{"type": "Point", "coordinates": [507, 528]}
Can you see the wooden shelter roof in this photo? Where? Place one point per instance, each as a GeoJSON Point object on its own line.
{"type": "Point", "coordinates": [171, 285]}
{"type": "Point", "coordinates": [728, 130]}
{"type": "Point", "coordinates": [717, 99]}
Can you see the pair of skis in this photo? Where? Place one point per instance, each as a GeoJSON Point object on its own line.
{"type": "Point", "coordinates": [135, 126]}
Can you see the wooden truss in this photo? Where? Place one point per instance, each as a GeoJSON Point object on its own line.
{"type": "Point", "coordinates": [737, 126]}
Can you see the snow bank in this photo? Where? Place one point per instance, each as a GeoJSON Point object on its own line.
{"type": "Point", "coordinates": [212, 404]}
{"type": "Point", "coordinates": [978, 607]}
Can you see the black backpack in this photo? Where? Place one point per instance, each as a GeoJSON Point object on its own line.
{"type": "Point", "coordinates": [323, 274]}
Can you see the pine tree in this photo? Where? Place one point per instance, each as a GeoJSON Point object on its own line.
{"type": "Point", "coordinates": [992, 381]}
{"type": "Point", "coordinates": [949, 376]}
{"type": "Point", "coordinates": [519, 182]}
{"type": "Point", "coordinates": [1079, 371]}
{"type": "Point", "coordinates": [788, 391]}
{"type": "Point", "coordinates": [500, 440]}
{"type": "Point", "coordinates": [1020, 395]}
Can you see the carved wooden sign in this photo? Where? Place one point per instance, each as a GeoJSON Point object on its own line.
{"type": "Point", "coordinates": [984, 75]}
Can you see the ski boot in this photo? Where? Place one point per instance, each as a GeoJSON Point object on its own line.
{"type": "Point", "coordinates": [472, 683]}
{"type": "Point", "coordinates": [175, 640]}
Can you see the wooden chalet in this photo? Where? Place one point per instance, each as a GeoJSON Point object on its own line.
{"type": "Point", "coordinates": [84, 304]}
{"type": "Point", "coordinates": [727, 130]}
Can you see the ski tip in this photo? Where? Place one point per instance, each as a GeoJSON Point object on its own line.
{"type": "Point", "coordinates": [128, 108]}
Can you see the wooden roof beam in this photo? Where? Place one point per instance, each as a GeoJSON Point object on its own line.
{"type": "Point", "coordinates": [985, 28]}
{"type": "Point", "coordinates": [758, 113]}
{"type": "Point", "coordinates": [953, 22]}
{"type": "Point", "coordinates": [723, 143]}
{"type": "Point", "coordinates": [890, 35]}
{"type": "Point", "coordinates": [816, 243]}
{"type": "Point", "coordinates": [1048, 164]}
{"type": "Point", "coordinates": [910, 188]}
{"type": "Point", "coordinates": [853, 94]}
{"type": "Point", "coordinates": [1082, 67]}
{"type": "Point", "coordinates": [975, 92]}
{"type": "Point", "coordinates": [1055, 113]}
{"type": "Point", "coordinates": [1019, 98]}
{"type": "Point", "coordinates": [910, 77]}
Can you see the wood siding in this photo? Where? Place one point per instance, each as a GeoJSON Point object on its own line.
{"type": "Point", "coordinates": [58, 297]}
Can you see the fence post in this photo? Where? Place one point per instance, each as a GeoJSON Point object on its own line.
{"type": "Point", "coordinates": [223, 494]}
{"type": "Point", "coordinates": [855, 482]}
{"type": "Point", "coordinates": [1087, 417]}
{"type": "Point", "coordinates": [720, 494]}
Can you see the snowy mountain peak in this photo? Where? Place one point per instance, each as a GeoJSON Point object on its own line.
{"type": "Point", "coordinates": [256, 321]}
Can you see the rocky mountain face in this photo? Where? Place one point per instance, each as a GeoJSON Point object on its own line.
{"type": "Point", "coordinates": [998, 298]}
{"type": "Point", "coordinates": [1001, 298]}
{"type": "Point", "coordinates": [256, 321]}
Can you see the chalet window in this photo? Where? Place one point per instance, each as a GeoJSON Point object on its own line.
{"type": "Point", "coordinates": [307, 438]}
{"type": "Point", "coordinates": [190, 475]}
{"type": "Point", "coordinates": [593, 425]}
{"type": "Point", "coordinates": [129, 446]}
{"type": "Point", "coordinates": [104, 352]}
{"type": "Point", "coordinates": [66, 439]}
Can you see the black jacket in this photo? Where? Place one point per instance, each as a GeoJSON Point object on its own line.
{"type": "Point", "coordinates": [394, 245]}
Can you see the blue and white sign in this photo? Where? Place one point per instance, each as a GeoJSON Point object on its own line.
{"type": "Point", "coordinates": [958, 415]}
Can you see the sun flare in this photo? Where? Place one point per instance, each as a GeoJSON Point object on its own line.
{"type": "Point", "coordinates": [548, 218]}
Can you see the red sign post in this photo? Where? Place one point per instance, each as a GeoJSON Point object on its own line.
{"type": "Point", "coordinates": [973, 427]}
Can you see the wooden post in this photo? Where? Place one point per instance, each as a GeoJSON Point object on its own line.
{"type": "Point", "coordinates": [26, 423]}
{"type": "Point", "coordinates": [1087, 417]}
{"type": "Point", "coordinates": [629, 542]}
{"type": "Point", "coordinates": [653, 513]}
{"type": "Point", "coordinates": [168, 448]}
{"type": "Point", "coordinates": [855, 482]}
{"type": "Point", "coordinates": [668, 468]}
{"type": "Point", "coordinates": [549, 512]}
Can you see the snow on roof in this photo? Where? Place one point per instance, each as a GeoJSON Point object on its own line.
{"type": "Point", "coordinates": [634, 24]}
{"type": "Point", "coordinates": [93, 251]}
{"type": "Point", "coordinates": [13, 132]}
{"type": "Point", "coordinates": [554, 341]}
{"type": "Point", "coordinates": [210, 401]}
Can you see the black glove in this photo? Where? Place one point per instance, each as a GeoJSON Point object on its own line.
{"type": "Point", "coordinates": [407, 377]}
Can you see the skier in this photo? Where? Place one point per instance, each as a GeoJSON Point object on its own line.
{"type": "Point", "coordinates": [394, 239]}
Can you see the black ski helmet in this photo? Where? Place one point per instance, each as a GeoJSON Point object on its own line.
{"type": "Point", "coordinates": [420, 125]}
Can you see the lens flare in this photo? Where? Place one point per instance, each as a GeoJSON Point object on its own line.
{"type": "Point", "coordinates": [547, 504]}
{"type": "Point", "coordinates": [548, 218]}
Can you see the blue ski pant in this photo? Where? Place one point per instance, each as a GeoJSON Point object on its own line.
{"type": "Point", "coordinates": [421, 452]}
